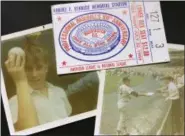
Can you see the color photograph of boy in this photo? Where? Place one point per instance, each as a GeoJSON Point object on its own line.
{"type": "Point", "coordinates": [37, 95]}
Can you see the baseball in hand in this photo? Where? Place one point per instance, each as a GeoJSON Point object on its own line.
{"type": "Point", "coordinates": [17, 51]}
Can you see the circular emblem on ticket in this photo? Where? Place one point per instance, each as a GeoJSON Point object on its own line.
{"type": "Point", "coordinates": [94, 37]}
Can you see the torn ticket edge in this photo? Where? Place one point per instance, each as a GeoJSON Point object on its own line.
{"type": "Point", "coordinates": [102, 35]}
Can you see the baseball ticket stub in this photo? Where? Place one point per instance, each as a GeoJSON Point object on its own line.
{"type": "Point", "coordinates": [102, 35]}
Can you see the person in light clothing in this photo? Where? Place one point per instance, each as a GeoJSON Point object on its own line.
{"type": "Point", "coordinates": [180, 79]}
{"type": "Point", "coordinates": [36, 101]}
{"type": "Point", "coordinates": [173, 94]}
{"type": "Point", "coordinates": [124, 96]}
{"type": "Point", "coordinates": [49, 108]}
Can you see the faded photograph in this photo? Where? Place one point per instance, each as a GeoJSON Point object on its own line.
{"type": "Point", "coordinates": [36, 94]}
{"type": "Point", "coordinates": [145, 100]}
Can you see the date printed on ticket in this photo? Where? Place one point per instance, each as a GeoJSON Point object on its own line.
{"type": "Point", "coordinates": [92, 36]}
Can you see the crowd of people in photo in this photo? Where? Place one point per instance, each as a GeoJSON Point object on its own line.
{"type": "Point", "coordinates": [177, 73]}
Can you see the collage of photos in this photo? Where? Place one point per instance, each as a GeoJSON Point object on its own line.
{"type": "Point", "coordinates": [144, 100]}
{"type": "Point", "coordinates": [139, 100]}
{"type": "Point", "coordinates": [33, 91]}
{"type": "Point", "coordinates": [108, 62]}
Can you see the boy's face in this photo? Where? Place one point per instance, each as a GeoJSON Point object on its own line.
{"type": "Point", "coordinates": [36, 75]}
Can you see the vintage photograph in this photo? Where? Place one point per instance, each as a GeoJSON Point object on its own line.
{"type": "Point", "coordinates": [144, 100]}
{"type": "Point", "coordinates": [35, 94]}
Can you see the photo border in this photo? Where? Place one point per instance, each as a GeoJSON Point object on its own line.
{"type": "Point", "coordinates": [101, 93]}
{"type": "Point", "coordinates": [50, 125]}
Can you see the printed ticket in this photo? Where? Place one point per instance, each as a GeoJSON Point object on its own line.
{"type": "Point", "coordinates": [102, 35]}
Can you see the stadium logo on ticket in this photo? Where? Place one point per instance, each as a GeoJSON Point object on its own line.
{"type": "Point", "coordinates": [94, 34]}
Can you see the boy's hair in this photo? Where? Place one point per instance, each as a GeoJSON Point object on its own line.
{"type": "Point", "coordinates": [35, 54]}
